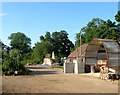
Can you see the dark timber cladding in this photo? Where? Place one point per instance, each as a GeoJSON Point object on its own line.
{"type": "Point", "coordinates": [112, 51]}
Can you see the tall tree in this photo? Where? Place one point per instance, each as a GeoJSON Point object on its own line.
{"type": "Point", "coordinates": [117, 18]}
{"type": "Point", "coordinates": [99, 28]}
{"type": "Point", "coordinates": [48, 36]}
{"type": "Point", "coordinates": [108, 30]}
{"type": "Point", "coordinates": [20, 41]}
{"type": "Point", "coordinates": [57, 42]}
{"type": "Point", "coordinates": [61, 43]}
{"type": "Point", "coordinates": [41, 49]}
{"type": "Point", "coordinates": [91, 30]}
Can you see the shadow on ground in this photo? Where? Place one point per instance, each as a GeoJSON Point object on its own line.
{"type": "Point", "coordinates": [38, 67]}
{"type": "Point", "coordinates": [43, 72]}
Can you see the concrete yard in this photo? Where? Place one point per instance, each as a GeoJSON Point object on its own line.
{"type": "Point", "coordinates": [49, 80]}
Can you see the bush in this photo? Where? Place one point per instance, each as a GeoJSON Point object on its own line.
{"type": "Point", "coordinates": [10, 65]}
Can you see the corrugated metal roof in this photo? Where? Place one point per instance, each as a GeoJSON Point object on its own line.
{"type": "Point", "coordinates": [91, 54]}
{"type": "Point", "coordinates": [75, 53]}
{"type": "Point", "coordinates": [111, 47]}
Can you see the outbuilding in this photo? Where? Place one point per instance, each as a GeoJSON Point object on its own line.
{"type": "Point", "coordinates": [98, 53]}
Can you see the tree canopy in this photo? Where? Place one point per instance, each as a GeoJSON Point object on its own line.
{"type": "Point", "coordinates": [14, 56]}
{"type": "Point", "coordinates": [20, 41]}
{"type": "Point", "coordinates": [98, 28]}
{"type": "Point", "coordinates": [57, 42]}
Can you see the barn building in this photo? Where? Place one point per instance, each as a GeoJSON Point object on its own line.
{"type": "Point", "coordinates": [90, 57]}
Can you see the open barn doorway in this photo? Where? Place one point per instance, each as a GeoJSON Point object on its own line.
{"type": "Point", "coordinates": [103, 55]}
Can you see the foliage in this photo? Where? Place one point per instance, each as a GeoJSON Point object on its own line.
{"type": "Point", "coordinates": [41, 49]}
{"type": "Point", "coordinates": [13, 56]}
{"type": "Point", "coordinates": [11, 62]}
{"type": "Point", "coordinates": [61, 45]}
{"type": "Point", "coordinates": [57, 42]}
{"type": "Point", "coordinates": [99, 28]}
{"type": "Point", "coordinates": [61, 67]}
{"type": "Point", "coordinates": [20, 42]}
{"type": "Point", "coordinates": [117, 16]}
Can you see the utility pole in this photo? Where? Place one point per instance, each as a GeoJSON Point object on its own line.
{"type": "Point", "coordinates": [76, 64]}
{"type": "Point", "coordinates": [77, 39]}
{"type": "Point", "coordinates": [80, 48]}
{"type": "Point", "coordinates": [82, 68]}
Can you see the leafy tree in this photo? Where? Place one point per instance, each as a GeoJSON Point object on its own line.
{"type": "Point", "coordinates": [57, 42]}
{"type": "Point", "coordinates": [99, 28]}
{"type": "Point", "coordinates": [61, 45]}
{"type": "Point", "coordinates": [41, 38]}
{"type": "Point", "coordinates": [108, 30]}
{"type": "Point", "coordinates": [11, 62]}
{"type": "Point", "coordinates": [117, 18]}
{"type": "Point", "coordinates": [48, 36]}
{"type": "Point", "coordinates": [41, 49]}
{"type": "Point", "coordinates": [20, 42]}
{"type": "Point", "coordinates": [90, 31]}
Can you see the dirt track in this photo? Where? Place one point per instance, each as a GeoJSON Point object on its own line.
{"type": "Point", "coordinates": [48, 80]}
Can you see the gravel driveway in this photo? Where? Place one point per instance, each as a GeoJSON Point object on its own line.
{"type": "Point", "coordinates": [49, 80]}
